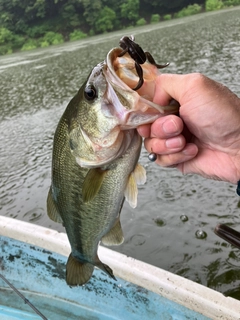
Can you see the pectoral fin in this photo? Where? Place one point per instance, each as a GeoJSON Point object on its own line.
{"type": "Point", "coordinates": [52, 210]}
{"type": "Point", "coordinates": [115, 236]}
{"type": "Point", "coordinates": [92, 183]}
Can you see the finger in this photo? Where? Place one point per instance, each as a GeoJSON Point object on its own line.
{"type": "Point", "coordinates": [175, 159]}
{"type": "Point", "coordinates": [166, 127]}
{"type": "Point", "coordinates": [175, 86]}
{"type": "Point", "coordinates": [144, 130]}
{"type": "Point", "coordinates": [165, 146]}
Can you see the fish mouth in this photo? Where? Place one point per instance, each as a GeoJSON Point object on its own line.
{"type": "Point", "coordinates": [133, 111]}
{"type": "Point", "coordinates": [132, 108]}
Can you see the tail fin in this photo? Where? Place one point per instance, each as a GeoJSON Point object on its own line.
{"type": "Point", "coordinates": [78, 273]}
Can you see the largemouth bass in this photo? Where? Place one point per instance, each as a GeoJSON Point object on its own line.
{"type": "Point", "coordinates": [95, 159]}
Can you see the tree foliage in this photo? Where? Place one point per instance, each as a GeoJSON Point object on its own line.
{"type": "Point", "coordinates": [105, 20]}
{"type": "Point", "coordinates": [29, 24]}
{"type": "Point", "coordinates": [212, 5]}
{"type": "Point", "coordinates": [130, 11]}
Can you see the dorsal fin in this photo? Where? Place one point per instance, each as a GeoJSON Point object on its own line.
{"type": "Point", "coordinates": [92, 183]}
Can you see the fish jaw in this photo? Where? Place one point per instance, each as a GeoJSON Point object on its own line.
{"type": "Point", "coordinates": [129, 108]}
{"type": "Point", "coordinates": [132, 108]}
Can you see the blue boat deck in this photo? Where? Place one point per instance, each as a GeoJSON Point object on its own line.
{"type": "Point", "coordinates": [40, 276]}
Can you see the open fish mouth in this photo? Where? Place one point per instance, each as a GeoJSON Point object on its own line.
{"type": "Point", "coordinates": [132, 108]}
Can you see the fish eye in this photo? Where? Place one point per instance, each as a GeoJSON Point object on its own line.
{"type": "Point", "coordinates": [90, 92]}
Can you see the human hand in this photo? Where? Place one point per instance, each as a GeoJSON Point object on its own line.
{"type": "Point", "coordinates": [205, 139]}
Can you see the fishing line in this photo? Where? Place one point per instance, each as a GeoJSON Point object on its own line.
{"type": "Point", "coordinates": [26, 301]}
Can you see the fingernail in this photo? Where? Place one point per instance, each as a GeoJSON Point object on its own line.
{"type": "Point", "coordinates": [173, 143]}
{"type": "Point", "coordinates": [169, 126]}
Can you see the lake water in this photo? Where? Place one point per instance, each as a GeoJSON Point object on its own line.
{"type": "Point", "coordinates": [172, 226]}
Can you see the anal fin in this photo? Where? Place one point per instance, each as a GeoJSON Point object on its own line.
{"type": "Point", "coordinates": [115, 236]}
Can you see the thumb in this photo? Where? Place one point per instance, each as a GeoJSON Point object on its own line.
{"type": "Point", "coordinates": [175, 86]}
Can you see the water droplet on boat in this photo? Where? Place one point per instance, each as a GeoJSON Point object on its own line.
{"type": "Point", "coordinates": [184, 218]}
{"type": "Point", "coordinates": [200, 234]}
{"type": "Point", "coordinates": [119, 286]}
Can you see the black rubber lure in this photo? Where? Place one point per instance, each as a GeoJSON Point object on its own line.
{"type": "Point", "coordinates": [138, 55]}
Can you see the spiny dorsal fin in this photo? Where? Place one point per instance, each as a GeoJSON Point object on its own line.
{"type": "Point", "coordinates": [140, 174]}
{"type": "Point", "coordinates": [92, 183]}
{"type": "Point", "coordinates": [115, 236]}
{"type": "Point", "coordinates": [52, 210]}
{"type": "Point", "coordinates": [77, 273]}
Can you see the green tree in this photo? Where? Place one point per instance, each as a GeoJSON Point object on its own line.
{"type": "Point", "coordinates": [77, 35]}
{"type": "Point", "coordinates": [130, 11]}
{"type": "Point", "coordinates": [165, 6]}
{"type": "Point", "coordinates": [105, 21]}
{"type": "Point", "coordinates": [155, 18]}
{"type": "Point", "coordinates": [229, 3]}
{"type": "Point", "coordinates": [29, 24]}
{"type": "Point", "coordinates": [53, 37]}
{"type": "Point", "coordinates": [141, 22]}
{"type": "Point", "coordinates": [212, 5]}
{"type": "Point", "coordinates": [189, 10]}
{"type": "Point", "coordinates": [35, 8]}
{"type": "Point", "coordinates": [91, 11]}
{"type": "Point", "coordinates": [71, 13]}
{"type": "Point", "coordinates": [5, 35]}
